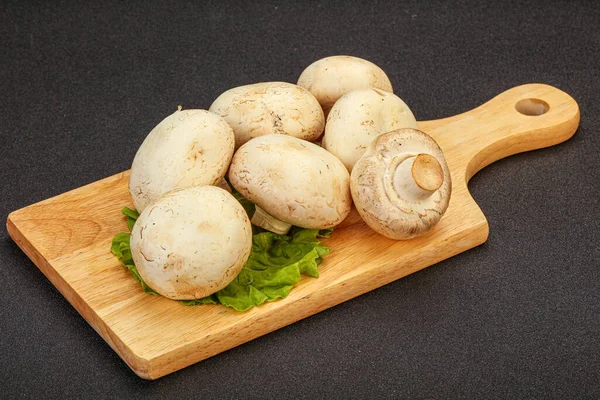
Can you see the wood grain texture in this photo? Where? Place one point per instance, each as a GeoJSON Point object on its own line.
{"type": "Point", "coordinates": [68, 237]}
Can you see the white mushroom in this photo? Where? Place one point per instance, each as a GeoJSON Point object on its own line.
{"type": "Point", "coordinates": [188, 148]}
{"type": "Point", "coordinates": [270, 107]}
{"type": "Point", "coordinates": [330, 78]}
{"type": "Point", "coordinates": [292, 182]}
{"type": "Point", "coordinates": [191, 242]}
{"type": "Point", "coordinates": [401, 186]}
{"type": "Point", "coordinates": [359, 117]}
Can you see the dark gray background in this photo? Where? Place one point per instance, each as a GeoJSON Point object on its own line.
{"type": "Point", "coordinates": [518, 317]}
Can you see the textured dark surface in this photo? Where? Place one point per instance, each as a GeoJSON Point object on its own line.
{"type": "Point", "coordinates": [518, 317]}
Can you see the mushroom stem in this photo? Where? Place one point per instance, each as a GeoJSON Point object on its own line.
{"type": "Point", "coordinates": [266, 221]}
{"type": "Point", "coordinates": [417, 177]}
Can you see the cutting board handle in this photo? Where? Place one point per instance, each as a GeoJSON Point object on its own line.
{"type": "Point", "coordinates": [523, 118]}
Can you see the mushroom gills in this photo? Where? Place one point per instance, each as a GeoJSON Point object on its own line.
{"type": "Point", "coordinates": [267, 221]}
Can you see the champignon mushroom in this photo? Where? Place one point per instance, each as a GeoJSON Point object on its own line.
{"type": "Point", "coordinates": [292, 182]}
{"type": "Point", "coordinates": [330, 78]}
{"type": "Point", "coordinates": [359, 117]}
{"type": "Point", "coordinates": [270, 107]}
{"type": "Point", "coordinates": [191, 242]}
{"type": "Point", "coordinates": [188, 148]}
{"type": "Point", "coordinates": [401, 186]}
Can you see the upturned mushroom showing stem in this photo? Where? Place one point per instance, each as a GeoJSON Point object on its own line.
{"type": "Point", "coordinates": [401, 186]}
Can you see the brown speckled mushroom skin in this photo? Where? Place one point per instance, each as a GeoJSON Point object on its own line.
{"type": "Point", "coordinates": [188, 148]}
{"type": "Point", "coordinates": [330, 78]}
{"type": "Point", "coordinates": [380, 206]}
{"type": "Point", "coordinates": [270, 107]}
{"type": "Point", "coordinates": [293, 180]}
{"type": "Point", "coordinates": [360, 116]}
{"type": "Point", "coordinates": [191, 242]}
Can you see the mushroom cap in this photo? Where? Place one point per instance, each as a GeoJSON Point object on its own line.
{"type": "Point", "coordinates": [191, 242]}
{"type": "Point", "coordinates": [270, 107]}
{"type": "Point", "coordinates": [386, 206]}
{"type": "Point", "coordinates": [359, 117]}
{"type": "Point", "coordinates": [293, 180]}
{"type": "Point", "coordinates": [330, 78]}
{"type": "Point", "coordinates": [188, 148]}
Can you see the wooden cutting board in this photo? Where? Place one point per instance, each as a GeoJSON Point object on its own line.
{"type": "Point", "coordinates": [69, 236]}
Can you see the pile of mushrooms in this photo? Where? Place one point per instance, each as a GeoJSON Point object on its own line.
{"type": "Point", "coordinates": [193, 237]}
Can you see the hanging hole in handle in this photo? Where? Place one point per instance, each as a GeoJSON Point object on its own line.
{"type": "Point", "coordinates": [533, 107]}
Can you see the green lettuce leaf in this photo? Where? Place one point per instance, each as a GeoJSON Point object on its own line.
{"type": "Point", "coordinates": [120, 248]}
{"type": "Point", "coordinates": [132, 216]}
{"type": "Point", "coordinates": [247, 204]}
{"type": "Point", "coordinates": [212, 299]}
{"type": "Point", "coordinates": [276, 264]}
